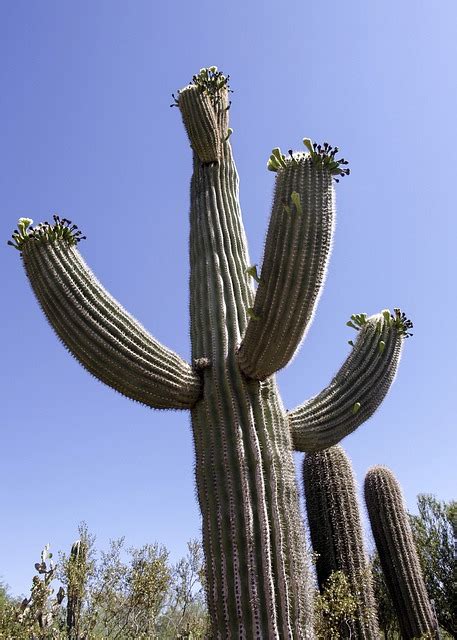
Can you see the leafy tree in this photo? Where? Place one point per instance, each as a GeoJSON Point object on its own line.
{"type": "Point", "coordinates": [4, 595]}
{"type": "Point", "coordinates": [122, 594]}
{"type": "Point", "coordinates": [435, 534]}
{"type": "Point", "coordinates": [125, 600]}
{"type": "Point", "coordinates": [9, 626]}
{"type": "Point", "coordinates": [76, 572]}
{"type": "Point", "coordinates": [335, 608]}
{"type": "Point", "coordinates": [186, 614]}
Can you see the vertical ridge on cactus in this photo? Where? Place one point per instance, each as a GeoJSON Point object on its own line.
{"type": "Point", "coordinates": [397, 553]}
{"type": "Point", "coordinates": [257, 575]}
{"type": "Point", "coordinates": [336, 532]}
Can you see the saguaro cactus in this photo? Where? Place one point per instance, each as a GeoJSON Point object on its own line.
{"type": "Point", "coordinates": [256, 569]}
{"type": "Point", "coordinates": [76, 576]}
{"type": "Point", "coordinates": [397, 553]}
{"type": "Point", "coordinates": [336, 531]}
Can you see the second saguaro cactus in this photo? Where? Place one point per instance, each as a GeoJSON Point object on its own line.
{"type": "Point", "coordinates": [256, 570]}
{"type": "Point", "coordinates": [397, 553]}
{"type": "Point", "coordinates": [336, 532]}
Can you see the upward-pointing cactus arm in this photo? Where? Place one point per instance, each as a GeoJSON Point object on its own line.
{"type": "Point", "coordinates": [295, 260]}
{"type": "Point", "coordinates": [95, 328]}
{"type": "Point", "coordinates": [358, 388]}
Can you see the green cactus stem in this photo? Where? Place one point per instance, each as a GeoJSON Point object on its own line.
{"type": "Point", "coordinates": [257, 575]}
{"type": "Point", "coordinates": [105, 339]}
{"type": "Point", "coordinates": [297, 250]}
{"type": "Point", "coordinates": [397, 553]}
{"type": "Point", "coordinates": [75, 587]}
{"type": "Point", "coordinates": [358, 388]}
{"type": "Point", "coordinates": [336, 532]}
{"type": "Point", "coordinates": [245, 472]}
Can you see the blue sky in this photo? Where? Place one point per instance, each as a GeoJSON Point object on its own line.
{"type": "Point", "coordinates": [87, 132]}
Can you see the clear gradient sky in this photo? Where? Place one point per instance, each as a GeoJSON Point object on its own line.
{"type": "Point", "coordinates": [87, 132]}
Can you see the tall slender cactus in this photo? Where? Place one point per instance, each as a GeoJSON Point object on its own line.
{"type": "Point", "coordinates": [76, 576]}
{"type": "Point", "coordinates": [336, 531]}
{"type": "Point", "coordinates": [397, 553]}
{"type": "Point", "coordinates": [256, 570]}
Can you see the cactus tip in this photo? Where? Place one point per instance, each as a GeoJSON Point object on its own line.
{"type": "Point", "coordinates": [61, 229]}
{"type": "Point", "coordinates": [324, 156]}
{"type": "Point", "coordinates": [401, 323]}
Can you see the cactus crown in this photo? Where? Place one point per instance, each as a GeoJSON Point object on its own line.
{"type": "Point", "coordinates": [211, 81]}
{"type": "Point", "coordinates": [61, 229]}
{"type": "Point", "coordinates": [321, 156]}
{"type": "Point", "coordinates": [397, 319]}
{"type": "Point", "coordinates": [401, 323]}
{"type": "Point", "coordinates": [208, 80]}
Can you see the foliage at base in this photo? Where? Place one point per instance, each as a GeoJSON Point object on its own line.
{"type": "Point", "coordinates": [123, 594]}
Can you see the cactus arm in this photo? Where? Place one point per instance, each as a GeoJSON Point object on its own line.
{"type": "Point", "coordinates": [94, 327]}
{"type": "Point", "coordinates": [397, 552]}
{"type": "Point", "coordinates": [357, 389]}
{"type": "Point", "coordinates": [297, 250]}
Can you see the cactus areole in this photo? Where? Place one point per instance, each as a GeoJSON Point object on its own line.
{"type": "Point", "coordinates": [256, 568]}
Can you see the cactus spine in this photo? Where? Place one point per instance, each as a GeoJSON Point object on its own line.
{"type": "Point", "coordinates": [256, 570]}
{"type": "Point", "coordinates": [336, 531]}
{"type": "Point", "coordinates": [397, 553]}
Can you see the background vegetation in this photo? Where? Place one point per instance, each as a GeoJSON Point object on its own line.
{"type": "Point", "coordinates": [137, 593]}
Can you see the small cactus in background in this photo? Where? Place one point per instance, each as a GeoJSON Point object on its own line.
{"type": "Point", "coordinates": [256, 569]}
{"type": "Point", "coordinates": [39, 612]}
{"type": "Point", "coordinates": [336, 533]}
{"type": "Point", "coordinates": [399, 560]}
{"type": "Point", "coordinates": [76, 574]}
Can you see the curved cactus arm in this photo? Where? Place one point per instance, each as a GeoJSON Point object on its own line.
{"type": "Point", "coordinates": [94, 327]}
{"type": "Point", "coordinates": [297, 250]}
{"type": "Point", "coordinates": [359, 386]}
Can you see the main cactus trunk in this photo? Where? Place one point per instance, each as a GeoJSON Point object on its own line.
{"type": "Point", "coordinates": [252, 533]}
